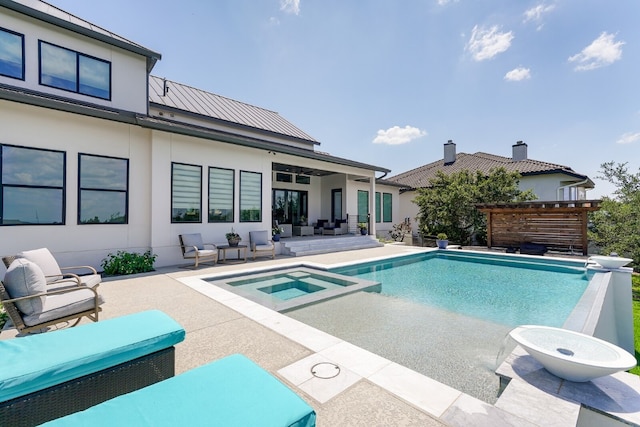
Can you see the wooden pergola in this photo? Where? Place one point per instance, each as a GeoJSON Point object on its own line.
{"type": "Point", "coordinates": [558, 225]}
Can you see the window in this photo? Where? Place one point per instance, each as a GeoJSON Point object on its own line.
{"type": "Point", "coordinates": [186, 193]}
{"type": "Point", "coordinates": [32, 185]}
{"type": "Point", "coordinates": [303, 179]}
{"type": "Point", "coordinates": [250, 196]}
{"type": "Point", "coordinates": [363, 206]}
{"type": "Point", "coordinates": [221, 187]}
{"type": "Point", "coordinates": [75, 72]}
{"type": "Point", "coordinates": [11, 54]}
{"type": "Point", "coordinates": [283, 177]}
{"type": "Point", "coordinates": [386, 207]}
{"type": "Point", "coordinates": [289, 206]}
{"type": "Point", "coordinates": [378, 217]}
{"type": "Point", "coordinates": [103, 188]}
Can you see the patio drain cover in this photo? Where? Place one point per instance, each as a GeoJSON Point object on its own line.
{"type": "Point", "coordinates": [325, 370]}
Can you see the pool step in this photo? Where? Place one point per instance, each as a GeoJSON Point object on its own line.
{"type": "Point", "coordinates": [328, 244]}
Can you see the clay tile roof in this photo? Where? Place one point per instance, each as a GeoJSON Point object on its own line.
{"type": "Point", "coordinates": [483, 162]}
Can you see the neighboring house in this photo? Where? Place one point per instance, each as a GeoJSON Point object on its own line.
{"type": "Point", "coordinates": [97, 155]}
{"type": "Point", "coordinates": [548, 181]}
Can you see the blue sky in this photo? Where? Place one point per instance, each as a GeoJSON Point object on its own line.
{"type": "Point", "coordinates": [389, 82]}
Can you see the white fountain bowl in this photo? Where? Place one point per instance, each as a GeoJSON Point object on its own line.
{"type": "Point", "coordinates": [571, 355]}
{"type": "Point", "coordinates": [610, 261]}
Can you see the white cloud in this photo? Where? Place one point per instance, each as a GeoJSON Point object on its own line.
{"type": "Point", "coordinates": [397, 135]}
{"type": "Point", "coordinates": [518, 74]}
{"type": "Point", "coordinates": [629, 138]}
{"type": "Point", "coordinates": [485, 43]}
{"type": "Point", "coordinates": [535, 13]}
{"type": "Point", "coordinates": [443, 2]}
{"type": "Point", "coordinates": [290, 6]}
{"type": "Point", "coordinates": [602, 51]}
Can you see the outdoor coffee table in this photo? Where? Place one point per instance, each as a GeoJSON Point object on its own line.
{"type": "Point", "coordinates": [224, 248]}
{"type": "Point", "coordinates": [303, 230]}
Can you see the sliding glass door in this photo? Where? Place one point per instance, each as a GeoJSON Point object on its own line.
{"type": "Point", "coordinates": [289, 206]}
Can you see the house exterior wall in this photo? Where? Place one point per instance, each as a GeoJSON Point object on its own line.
{"type": "Point", "coordinates": [545, 186]}
{"type": "Point", "coordinates": [128, 70]}
{"type": "Point", "coordinates": [35, 127]}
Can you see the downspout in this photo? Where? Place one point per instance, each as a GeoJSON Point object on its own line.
{"type": "Point", "coordinates": [575, 184]}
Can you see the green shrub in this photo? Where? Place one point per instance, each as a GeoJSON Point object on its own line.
{"type": "Point", "coordinates": [128, 263]}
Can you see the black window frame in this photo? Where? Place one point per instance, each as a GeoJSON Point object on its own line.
{"type": "Point", "coordinates": [81, 189]}
{"type": "Point", "coordinates": [242, 174]}
{"type": "Point", "coordinates": [22, 77]}
{"type": "Point", "coordinates": [195, 221]}
{"type": "Point", "coordinates": [390, 217]}
{"type": "Point", "coordinates": [78, 55]}
{"type": "Point", "coordinates": [233, 192]}
{"type": "Point", "coordinates": [63, 189]}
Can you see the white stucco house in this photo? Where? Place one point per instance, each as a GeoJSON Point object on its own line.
{"type": "Point", "coordinates": [548, 181]}
{"type": "Point", "coordinates": [98, 155]}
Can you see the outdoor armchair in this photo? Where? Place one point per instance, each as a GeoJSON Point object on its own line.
{"type": "Point", "coordinates": [54, 274]}
{"type": "Point", "coordinates": [33, 305]}
{"type": "Point", "coordinates": [260, 242]}
{"type": "Point", "coordinates": [193, 248]}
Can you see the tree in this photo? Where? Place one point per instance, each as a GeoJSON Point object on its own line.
{"type": "Point", "coordinates": [447, 205]}
{"type": "Point", "coordinates": [616, 226]}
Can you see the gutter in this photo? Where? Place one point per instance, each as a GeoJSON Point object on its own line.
{"type": "Point", "coordinates": [575, 184]}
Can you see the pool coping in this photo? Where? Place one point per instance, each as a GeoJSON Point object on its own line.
{"type": "Point", "coordinates": [424, 393]}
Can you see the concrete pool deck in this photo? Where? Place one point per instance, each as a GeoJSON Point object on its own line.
{"type": "Point", "coordinates": [369, 390]}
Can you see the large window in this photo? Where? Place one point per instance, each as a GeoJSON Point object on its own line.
{"type": "Point", "coordinates": [363, 206]}
{"type": "Point", "coordinates": [32, 185]}
{"type": "Point", "coordinates": [221, 187]}
{"type": "Point", "coordinates": [103, 184]}
{"type": "Point", "coordinates": [186, 193]}
{"type": "Point", "coordinates": [378, 216]}
{"type": "Point", "coordinates": [11, 54]}
{"type": "Point", "coordinates": [250, 196]}
{"type": "Point", "coordinates": [387, 215]}
{"type": "Point", "coordinates": [73, 71]}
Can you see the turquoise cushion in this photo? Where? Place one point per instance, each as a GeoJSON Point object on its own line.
{"type": "Point", "coordinates": [36, 362]}
{"type": "Point", "coordinates": [233, 391]}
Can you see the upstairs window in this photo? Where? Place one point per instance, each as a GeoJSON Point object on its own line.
{"type": "Point", "coordinates": [11, 54]}
{"type": "Point", "coordinates": [69, 70]}
{"type": "Point", "coordinates": [103, 190]}
{"type": "Point", "coordinates": [32, 186]}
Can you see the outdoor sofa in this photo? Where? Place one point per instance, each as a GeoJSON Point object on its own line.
{"type": "Point", "coordinates": [50, 375]}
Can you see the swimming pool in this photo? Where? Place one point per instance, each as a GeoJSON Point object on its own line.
{"type": "Point", "coordinates": [444, 314]}
{"type": "Point", "coordinates": [512, 291]}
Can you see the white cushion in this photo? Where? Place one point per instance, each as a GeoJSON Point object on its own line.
{"type": "Point", "coordinates": [25, 278]}
{"type": "Point", "coordinates": [45, 261]}
{"type": "Point", "coordinates": [201, 253]}
{"type": "Point", "coordinates": [63, 304]}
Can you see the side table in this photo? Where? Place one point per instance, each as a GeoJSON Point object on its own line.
{"type": "Point", "coordinates": [224, 248]}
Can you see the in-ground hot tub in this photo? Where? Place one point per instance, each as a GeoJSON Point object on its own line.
{"type": "Point", "coordinates": [571, 355]}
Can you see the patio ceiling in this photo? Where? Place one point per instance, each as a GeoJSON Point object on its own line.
{"type": "Point", "coordinates": [280, 167]}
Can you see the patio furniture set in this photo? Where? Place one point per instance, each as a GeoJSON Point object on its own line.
{"type": "Point", "coordinates": [118, 371]}
{"type": "Point", "coordinates": [193, 248]}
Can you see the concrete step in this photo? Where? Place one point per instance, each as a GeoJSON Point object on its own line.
{"type": "Point", "coordinates": [314, 246]}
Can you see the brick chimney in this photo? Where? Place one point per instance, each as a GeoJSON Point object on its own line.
{"type": "Point", "coordinates": [519, 151]}
{"type": "Point", "coordinates": [449, 152]}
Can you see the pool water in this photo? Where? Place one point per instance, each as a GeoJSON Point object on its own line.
{"type": "Point", "coordinates": [447, 315]}
{"type": "Point", "coordinates": [482, 286]}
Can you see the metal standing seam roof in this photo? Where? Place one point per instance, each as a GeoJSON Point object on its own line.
{"type": "Point", "coordinates": [49, 13]}
{"type": "Point", "coordinates": [483, 162]}
{"type": "Point", "coordinates": [207, 104]}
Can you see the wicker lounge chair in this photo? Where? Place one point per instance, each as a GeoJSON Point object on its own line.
{"type": "Point", "coordinates": [260, 242]}
{"type": "Point", "coordinates": [193, 248]}
{"type": "Point", "coordinates": [33, 305]}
